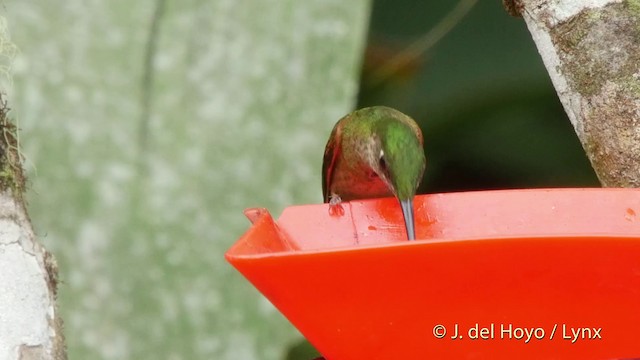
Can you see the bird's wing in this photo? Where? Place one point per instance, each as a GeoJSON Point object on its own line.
{"type": "Point", "coordinates": [331, 152]}
{"type": "Point", "coordinates": [414, 126]}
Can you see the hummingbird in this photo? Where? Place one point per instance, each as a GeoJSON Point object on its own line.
{"type": "Point", "coordinates": [374, 152]}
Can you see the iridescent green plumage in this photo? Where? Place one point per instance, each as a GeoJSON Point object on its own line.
{"type": "Point", "coordinates": [374, 152]}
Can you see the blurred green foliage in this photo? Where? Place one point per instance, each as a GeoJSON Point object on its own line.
{"type": "Point", "coordinates": [489, 113]}
{"type": "Point", "coordinates": [152, 125]}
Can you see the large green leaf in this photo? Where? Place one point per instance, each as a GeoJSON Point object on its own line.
{"type": "Point", "coordinates": [139, 174]}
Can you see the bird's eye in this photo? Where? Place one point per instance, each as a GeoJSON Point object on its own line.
{"type": "Point", "coordinates": [382, 163]}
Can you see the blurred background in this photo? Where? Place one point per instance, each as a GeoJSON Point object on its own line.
{"type": "Point", "coordinates": [489, 113]}
{"type": "Point", "coordinates": [149, 126]}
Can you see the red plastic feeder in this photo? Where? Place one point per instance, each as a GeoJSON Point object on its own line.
{"type": "Point", "coordinates": [519, 274]}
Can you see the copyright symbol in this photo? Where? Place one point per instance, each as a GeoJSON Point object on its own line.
{"type": "Point", "coordinates": [439, 331]}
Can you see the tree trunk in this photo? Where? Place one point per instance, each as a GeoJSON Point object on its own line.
{"type": "Point", "coordinates": [591, 50]}
{"type": "Point", "coordinates": [30, 327]}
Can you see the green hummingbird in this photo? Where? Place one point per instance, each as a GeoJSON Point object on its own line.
{"type": "Point", "coordinates": [374, 152]}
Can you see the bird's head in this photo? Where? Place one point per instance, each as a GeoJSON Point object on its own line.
{"type": "Point", "coordinates": [397, 157]}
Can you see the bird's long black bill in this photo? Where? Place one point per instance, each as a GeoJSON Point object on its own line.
{"type": "Point", "coordinates": [407, 212]}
